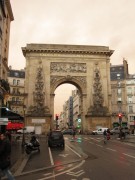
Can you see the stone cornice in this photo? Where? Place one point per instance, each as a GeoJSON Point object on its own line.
{"type": "Point", "coordinates": [9, 8]}
{"type": "Point", "coordinates": [68, 49]}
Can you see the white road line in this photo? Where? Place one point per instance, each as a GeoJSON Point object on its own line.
{"type": "Point", "coordinates": [47, 174]}
{"type": "Point", "coordinates": [75, 167]}
{"type": "Point", "coordinates": [128, 155]}
{"type": "Point", "coordinates": [91, 143]}
{"type": "Point", "coordinates": [111, 149]}
{"type": "Point", "coordinates": [73, 151]}
{"type": "Point", "coordinates": [99, 145]}
{"type": "Point", "coordinates": [51, 158]}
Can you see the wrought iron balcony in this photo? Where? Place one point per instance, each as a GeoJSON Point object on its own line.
{"type": "Point", "coordinates": [20, 103]}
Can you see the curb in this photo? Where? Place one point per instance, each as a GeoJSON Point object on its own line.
{"type": "Point", "coordinates": [21, 163]}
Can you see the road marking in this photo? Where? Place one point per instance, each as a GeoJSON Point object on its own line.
{"type": "Point", "coordinates": [47, 174]}
{"type": "Point", "coordinates": [128, 155]}
{"type": "Point", "coordinates": [91, 143]}
{"type": "Point", "coordinates": [51, 158]}
{"type": "Point", "coordinates": [86, 138]}
{"type": "Point", "coordinates": [73, 151]}
{"type": "Point", "coordinates": [111, 149]}
{"type": "Point", "coordinates": [52, 176]}
{"type": "Point", "coordinates": [63, 155]}
{"type": "Point", "coordinates": [99, 145]}
{"type": "Point", "coordinates": [95, 139]}
{"type": "Point", "coordinates": [76, 174]}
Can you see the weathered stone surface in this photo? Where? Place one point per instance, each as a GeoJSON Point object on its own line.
{"type": "Point", "coordinates": [86, 67]}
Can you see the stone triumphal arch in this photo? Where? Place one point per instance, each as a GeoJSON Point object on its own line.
{"type": "Point", "coordinates": [86, 67]}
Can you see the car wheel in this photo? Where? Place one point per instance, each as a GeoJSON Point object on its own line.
{"type": "Point", "coordinates": [63, 145]}
{"type": "Point", "coordinates": [28, 151]}
{"type": "Point", "coordinates": [49, 145]}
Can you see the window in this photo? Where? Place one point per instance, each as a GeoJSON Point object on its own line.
{"type": "Point", "coordinates": [130, 109]}
{"type": "Point", "coordinates": [129, 90]}
{"type": "Point", "coordinates": [18, 82]}
{"type": "Point", "coordinates": [130, 99]}
{"type": "Point", "coordinates": [14, 81]}
{"type": "Point", "coordinates": [119, 99]}
{"type": "Point", "coordinates": [13, 98]}
{"type": "Point", "coordinates": [14, 90]}
{"type": "Point", "coordinates": [119, 91]}
{"type": "Point", "coordinates": [16, 74]}
{"type": "Point", "coordinates": [119, 83]}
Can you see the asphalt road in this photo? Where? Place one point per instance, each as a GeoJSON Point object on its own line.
{"type": "Point", "coordinates": [86, 158]}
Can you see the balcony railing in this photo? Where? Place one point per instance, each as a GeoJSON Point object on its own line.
{"type": "Point", "coordinates": [17, 93]}
{"type": "Point", "coordinates": [20, 103]}
{"type": "Point", "coordinates": [115, 113]}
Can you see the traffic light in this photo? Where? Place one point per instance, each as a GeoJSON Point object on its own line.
{"type": "Point", "coordinates": [120, 116]}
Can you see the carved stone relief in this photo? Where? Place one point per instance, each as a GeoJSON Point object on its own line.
{"type": "Point", "coordinates": [39, 108]}
{"type": "Point", "coordinates": [81, 79]}
{"type": "Point", "coordinates": [98, 99]}
{"type": "Point", "coordinates": [68, 67]}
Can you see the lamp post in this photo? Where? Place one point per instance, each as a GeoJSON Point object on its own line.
{"type": "Point", "coordinates": [23, 137]}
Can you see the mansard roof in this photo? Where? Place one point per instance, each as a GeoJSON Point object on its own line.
{"type": "Point", "coordinates": [16, 73]}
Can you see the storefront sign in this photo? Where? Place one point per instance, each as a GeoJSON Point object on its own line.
{"type": "Point", "coordinates": [3, 121]}
{"type": "Point", "coordinates": [38, 121]}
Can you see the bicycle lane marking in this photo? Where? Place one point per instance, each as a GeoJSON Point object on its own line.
{"type": "Point", "coordinates": [50, 155]}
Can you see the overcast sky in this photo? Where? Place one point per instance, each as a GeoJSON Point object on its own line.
{"type": "Point", "coordinates": [82, 22]}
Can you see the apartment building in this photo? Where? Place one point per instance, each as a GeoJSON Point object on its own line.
{"type": "Point", "coordinates": [16, 79]}
{"type": "Point", "coordinates": [76, 106]}
{"type": "Point", "coordinates": [119, 74]}
{"type": "Point", "coordinates": [6, 16]}
{"type": "Point", "coordinates": [130, 88]}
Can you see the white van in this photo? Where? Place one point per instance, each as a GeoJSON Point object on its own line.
{"type": "Point", "coordinates": [27, 130]}
{"type": "Point", "coordinates": [99, 131]}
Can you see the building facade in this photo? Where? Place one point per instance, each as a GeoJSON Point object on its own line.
{"type": "Point", "coordinates": [6, 16]}
{"type": "Point", "coordinates": [130, 88]}
{"type": "Point", "coordinates": [16, 79]}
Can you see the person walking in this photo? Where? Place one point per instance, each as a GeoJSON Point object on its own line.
{"type": "Point", "coordinates": [74, 132]}
{"type": "Point", "coordinates": [105, 136]}
{"type": "Point", "coordinates": [5, 151]}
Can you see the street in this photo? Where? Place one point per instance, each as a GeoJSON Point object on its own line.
{"type": "Point", "coordinates": [85, 158]}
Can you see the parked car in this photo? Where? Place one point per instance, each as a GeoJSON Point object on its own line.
{"type": "Point", "coordinates": [68, 131]}
{"type": "Point", "coordinates": [27, 130]}
{"type": "Point", "coordinates": [116, 130]}
{"type": "Point", "coordinates": [99, 131]}
{"type": "Point", "coordinates": [56, 138]}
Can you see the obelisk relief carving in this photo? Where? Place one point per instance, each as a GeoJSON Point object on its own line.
{"type": "Point", "coordinates": [97, 109]}
{"type": "Point", "coordinates": [39, 108]}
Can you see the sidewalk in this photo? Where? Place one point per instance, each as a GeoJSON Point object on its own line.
{"type": "Point", "coordinates": [17, 154]}
{"type": "Point", "coordinates": [21, 161]}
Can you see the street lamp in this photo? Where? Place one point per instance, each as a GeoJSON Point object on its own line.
{"type": "Point", "coordinates": [23, 137]}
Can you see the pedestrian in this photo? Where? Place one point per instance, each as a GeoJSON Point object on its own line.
{"type": "Point", "coordinates": [105, 136]}
{"type": "Point", "coordinates": [8, 134]}
{"type": "Point", "coordinates": [5, 151]}
{"type": "Point", "coordinates": [74, 132]}
{"type": "Point", "coordinates": [108, 134]}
